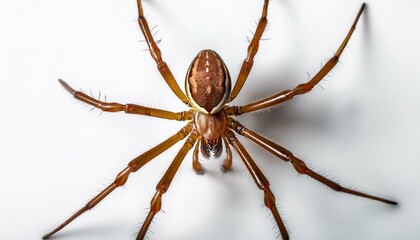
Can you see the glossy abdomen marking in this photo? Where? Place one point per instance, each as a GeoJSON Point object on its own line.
{"type": "Point", "coordinates": [207, 82]}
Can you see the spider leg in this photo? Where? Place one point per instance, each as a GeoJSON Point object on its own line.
{"type": "Point", "coordinates": [196, 164]}
{"type": "Point", "coordinates": [157, 56]}
{"type": "Point", "coordinates": [302, 88]}
{"type": "Point", "coordinates": [128, 108]}
{"type": "Point", "coordinates": [252, 51]}
{"type": "Point", "coordinates": [122, 177]}
{"type": "Point", "coordinates": [298, 164]}
{"type": "Point", "coordinates": [260, 180]}
{"type": "Point", "coordinates": [165, 182]}
{"type": "Point", "coordinates": [227, 164]}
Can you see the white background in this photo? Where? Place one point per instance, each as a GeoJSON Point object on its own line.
{"type": "Point", "coordinates": [362, 130]}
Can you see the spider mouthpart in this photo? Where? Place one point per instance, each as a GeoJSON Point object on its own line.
{"type": "Point", "coordinates": [205, 150]}
{"type": "Point", "coordinates": [212, 143]}
{"type": "Point", "coordinates": [211, 147]}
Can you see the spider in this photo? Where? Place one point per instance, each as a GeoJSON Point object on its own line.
{"type": "Point", "coordinates": [210, 122]}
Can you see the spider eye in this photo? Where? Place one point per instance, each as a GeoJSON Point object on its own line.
{"type": "Point", "coordinates": [207, 83]}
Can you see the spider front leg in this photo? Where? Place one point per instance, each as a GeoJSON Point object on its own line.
{"type": "Point", "coordinates": [302, 88]}
{"type": "Point", "coordinates": [165, 182]}
{"type": "Point", "coordinates": [260, 180]}
{"type": "Point", "coordinates": [298, 164]}
{"type": "Point", "coordinates": [128, 108]}
{"type": "Point", "coordinates": [252, 51]}
{"type": "Point", "coordinates": [122, 177]}
{"type": "Point", "coordinates": [157, 56]}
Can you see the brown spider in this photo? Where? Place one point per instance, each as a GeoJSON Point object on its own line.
{"type": "Point", "coordinates": [211, 125]}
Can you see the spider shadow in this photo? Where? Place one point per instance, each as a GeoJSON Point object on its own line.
{"type": "Point", "coordinates": [98, 231]}
{"type": "Point", "coordinates": [288, 115]}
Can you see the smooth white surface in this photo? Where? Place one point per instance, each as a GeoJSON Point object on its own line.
{"type": "Point", "coordinates": [362, 130]}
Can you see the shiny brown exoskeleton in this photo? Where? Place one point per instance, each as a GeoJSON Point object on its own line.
{"type": "Point", "coordinates": [211, 125]}
{"type": "Point", "coordinates": [208, 87]}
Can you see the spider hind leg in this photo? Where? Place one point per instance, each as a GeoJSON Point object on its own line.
{"type": "Point", "coordinates": [122, 177]}
{"type": "Point", "coordinates": [298, 164]}
{"type": "Point", "coordinates": [163, 185]}
{"type": "Point", "coordinates": [260, 180]}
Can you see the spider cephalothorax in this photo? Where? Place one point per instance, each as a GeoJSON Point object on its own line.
{"type": "Point", "coordinates": [211, 128]}
{"type": "Point", "coordinates": [211, 122]}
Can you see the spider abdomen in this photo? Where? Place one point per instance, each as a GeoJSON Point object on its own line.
{"type": "Point", "coordinates": [207, 82]}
